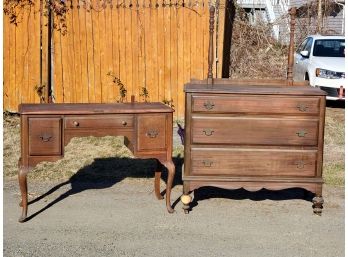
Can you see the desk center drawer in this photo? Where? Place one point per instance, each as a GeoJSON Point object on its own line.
{"type": "Point", "coordinates": [101, 121]}
{"type": "Point", "coordinates": [254, 131]}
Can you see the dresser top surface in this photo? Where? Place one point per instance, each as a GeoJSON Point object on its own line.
{"type": "Point", "coordinates": [254, 87]}
{"type": "Point", "coordinates": [94, 108]}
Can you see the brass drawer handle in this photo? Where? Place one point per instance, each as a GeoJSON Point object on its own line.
{"type": "Point", "coordinates": [301, 133]}
{"type": "Point", "coordinates": [124, 123]}
{"type": "Point", "coordinates": [300, 164]}
{"type": "Point", "coordinates": [209, 105]}
{"type": "Point", "coordinates": [45, 137]}
{"type": "Point", "coordinates": [302, 107]}
{"type": "Point", "coordinates": [152, 133]}
{"type": "Point", "coordinates": [207, 163]}
{"type": "Point", "coordinates": [208, 132]}
{"type": "Point", "coordinates": [76, 124]}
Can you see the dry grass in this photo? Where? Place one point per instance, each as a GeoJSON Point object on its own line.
{"type": "Point", "coordinates": [99, 158]}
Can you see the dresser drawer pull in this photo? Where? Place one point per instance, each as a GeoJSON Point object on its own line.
{"type": "Point", "coordinates": [301, 133]}
{"type": "Point", "coordinates": [208, 132]}
{"type": "Point", "coordinates": [124, 123]}
{"type": "Point", "coordinates": [300, 164]}
{"type": "Point", "coordinates": [45, 138]}
{"type": "Point", "coordinates": [76, 124]}
{"type": "Point", "coordinates": [302, 107]}
{"type": "Point", "coordinates": [152, 133]}
{"type": "Point", "coordinates": [207, 163]}
{"type": "Point", "coordinates": [209, 105]}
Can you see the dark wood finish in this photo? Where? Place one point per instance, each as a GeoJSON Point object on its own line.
{"type": "Point", "coordinates": [253, 104]}
{"type": "Point", "coordinates": [47, 128]}
{"type": "Point", "coordinates": [45, 136]}
{"type": "Point", "coordinates": [254, 133]}
{"type": "Point", "coordinates": [254, 137]}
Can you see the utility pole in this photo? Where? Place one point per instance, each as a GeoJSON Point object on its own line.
{"type": "Point", "coordinates": [320, 17]}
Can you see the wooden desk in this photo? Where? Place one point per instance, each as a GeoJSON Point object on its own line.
{"type": "Point", "coordinates": [47, 128]}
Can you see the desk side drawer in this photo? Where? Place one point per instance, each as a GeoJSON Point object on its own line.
{"type": "Point", "coordinates": [253, 162]}
{"type": "Point", "coordinates": [101, 121]}
{"type": "Point", "coordinates": [254, 131]}
{"type": "Point", "coordinates": [256, 104]}
{"type": "Point", "coordinates": [151, 132]}
{"type": "Point", "coordinates": [45, 136]}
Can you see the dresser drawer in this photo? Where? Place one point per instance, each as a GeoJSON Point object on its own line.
{"type": "Point", "coordinates": [45, 136]}
{"type": "Point", "coordinates": [104, 121]}
{"type": "Point", "coordinates": [253, 162]}
{"type": "Point", "coordinates": [255, 104]}
{"type": "Point", "coordinates": [151, 131]}
{"type": "Point", "coordinates": [254, 131]}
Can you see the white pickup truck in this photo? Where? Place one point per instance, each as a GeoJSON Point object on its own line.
{"type": "Point", "coordinates": [320, 60]}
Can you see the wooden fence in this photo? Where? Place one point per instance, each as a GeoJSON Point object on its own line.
{"type": "Point", "coordinates": [152, 47]}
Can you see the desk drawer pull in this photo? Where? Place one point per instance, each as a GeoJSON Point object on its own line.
{"type": "Point", "coordinates": [76, 124]}
{"type": "Point", "coordinates": [302, 107]}
{"type": "Point", "coordinates": [152, 133]}
{"type": "Point", "coordinates": [208, 132]}
{"type": "Point", "coordinates": [207, 163]}
{"type": "Point", "coordinates": [124, 123]}
{"type": "Point", "coordinates": [300, 164]}
{"type": "Point", "coordinates": [45, 137]}
{"type": "Point", "coordinates": [301, 133]}
{"type": "Point", "coordinates": [209, 105]}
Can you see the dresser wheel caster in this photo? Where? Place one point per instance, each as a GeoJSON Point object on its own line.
{"type": "Point", "coordinates": [186, 211]}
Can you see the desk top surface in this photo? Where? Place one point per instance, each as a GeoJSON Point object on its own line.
{"type": "Point", "coordinates": [94, 108]}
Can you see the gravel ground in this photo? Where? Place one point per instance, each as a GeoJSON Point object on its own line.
{"type": "Point", "coordinates": [125, 219]}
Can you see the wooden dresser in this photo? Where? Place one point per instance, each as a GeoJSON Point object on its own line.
{"type": "Point", "coordinates": [253, 135]}
{"type": "Point", "coordinates": [47, 128]}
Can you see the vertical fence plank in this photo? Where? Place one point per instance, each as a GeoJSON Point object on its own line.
{"type": "Point", "coordinates": [6, 62]}
{"type": "Point", "coordinates": [115, 48]}
{"type": "Point", "coordinates": [128, 48]}
{"type": "Point", "coordinates": [135, 49]}
{"type": "Point", "coordinates": [90, 56]}
{"type": "Point", "coordinates": [180, 30]}
{"type": "Point", "coordinates": [167, 57]}
{"type": "Point", "coordinates": [78, 85]}
{"type": "Point", "coordinates": [174, 55]}
{"type": "Point", "coordinates": [122, 47]}
{"type": "Point", "coordinates": [69, 48]}
{"type": "Point", "coordinates": [160, 53]}
{"type": "Point", "coordinates": [108, 85]}
{"type": "Point", "coordinates": [83, 52]}
{"type": "Point", "coordinates": [103, 53]}
{"type": "Point", "coordinates": [141, 56]}
{"type": "Point", "coordinates": [96, 50]}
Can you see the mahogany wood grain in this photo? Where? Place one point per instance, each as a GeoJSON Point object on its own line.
{"type": "Point", "coordinates": [45, 136]}
{"type": "Point", "coordinates": [254, 131]}
{"type": "Point", "coordinates": [253, 104]}
{"type": "Point", "coordinates": [252, 135]}
{"type": "Point", "coordinates": [95, 121]}
{"type": "Point", "coordinates": [47, 128]}
{"type": "Point", "coordinates": [253, 162]}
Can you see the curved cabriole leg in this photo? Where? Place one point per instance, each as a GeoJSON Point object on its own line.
{"type": "Point", "coordinates": [171, 172]}
{"type": "Point", "coordinates": [318, 204]}
{"type": "Point", "coordinates": [158, 182]}
{"type": "Point", "coordinates": [22, 177]}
